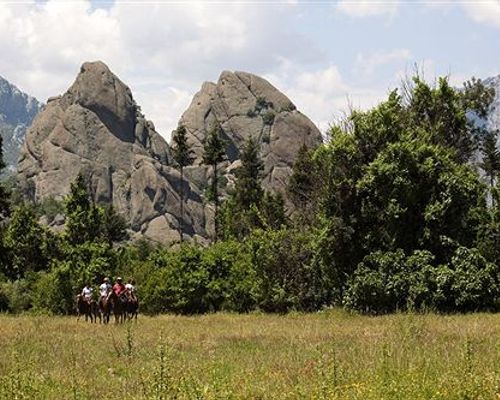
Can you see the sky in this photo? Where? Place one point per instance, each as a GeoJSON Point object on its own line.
{"type": "Point", "coordinates": [326, 56]}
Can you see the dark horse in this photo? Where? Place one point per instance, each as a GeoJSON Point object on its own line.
{"type": "Point", "coordinates": [87, 308]}
{"type": "Point", "coordinates": [119, 306]}
{"type": "Point", "coordinates": [132, 308]}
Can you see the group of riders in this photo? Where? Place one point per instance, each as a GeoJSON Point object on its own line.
{"type": "Point", "coordinates": [119, 298]}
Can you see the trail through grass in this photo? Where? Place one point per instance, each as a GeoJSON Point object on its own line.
{"type": "Point", "coordinates": [327, 355]}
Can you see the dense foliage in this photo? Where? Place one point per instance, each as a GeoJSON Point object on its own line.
{"type": "Point", "coordinates": [398, 210]}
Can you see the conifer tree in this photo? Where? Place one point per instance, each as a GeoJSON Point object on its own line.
{"type": "Point", "coordinates": [303, 183]}
{"type": "Point", "coordinates": [182, 157]}
{"type": "Point", "coordinates": [214, 153]}
{"type": "Point", "coordinates": [248, 189]}
{"type": "Point", "coordinates": [3, 193]}
{"type": "Point", "coordinates": [491, 157]}
{"type": "Point", "coordinates": [83, 217]}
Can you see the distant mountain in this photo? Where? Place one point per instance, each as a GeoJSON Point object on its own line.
{"type": "Point", "coordinates": [17, 110]}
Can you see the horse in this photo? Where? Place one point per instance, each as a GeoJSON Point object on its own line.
{"type": "Point", "coordinates": [132, 308]}
{"type": "Point", "coordinates": [105, 306]}
{"type": "Point", "coordinates": [89, 309]}
{"type": "Point", "coordinates": [119, 306]}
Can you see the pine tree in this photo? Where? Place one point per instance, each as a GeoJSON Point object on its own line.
{"type": "Point", "coordinates": [248, 189]}
{"type": "Point", "coordinates": [214, 153]}
{"type": "Point", "coordinates": [3, 192]}
{"type": "Point", "coordinates": [83, 217]}
{"type": "Point", "coordinates": [491, 157]}
{"type": "Point", "coordinates": [273, 210]}
{"type": "Point", "coordinates": [182, 157]}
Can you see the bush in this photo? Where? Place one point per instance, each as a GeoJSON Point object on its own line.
{"type": "Point", "coordinates": [195, 280]}
{"type": "Point", "coordinates": [286, 279]}
{"type": "Point", "coordinates": [385, 282]}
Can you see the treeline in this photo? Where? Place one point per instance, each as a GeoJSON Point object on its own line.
{"type": "Point", "coordinates": [398, 210]}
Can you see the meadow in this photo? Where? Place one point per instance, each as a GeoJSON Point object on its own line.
{"type": "Point", "coordinates": [326, 355]}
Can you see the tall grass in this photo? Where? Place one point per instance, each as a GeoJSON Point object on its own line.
{"type": "Point", "coordinates": [327, 355]}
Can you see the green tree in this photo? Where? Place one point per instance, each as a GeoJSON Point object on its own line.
{"type": "Point", "coordinates": [3, 192]}
{"type": "Point", "coordinates": [114, 226]}
{"type": "Point", "coordinates": [26, 243]}
{"type": "Point", "coordinates": [214, 153]}
{"type": "Point", "coordinates": [490, 163]}
{"type": "Point", "coordinates": [83, 217]}
{"type": "Point", "coordinates": [302, 186]}
{"type": "Point", "coordinates": [248, 189]}
{"type": "Point", "coordinates": [272, 210]}
{"type": "Point", "coordinates": [182, 155]}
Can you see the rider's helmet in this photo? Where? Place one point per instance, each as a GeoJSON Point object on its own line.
{"type": "Point", "coordinates": [118, 279]}
{"type": "Point", "coordinates": [106, 280]}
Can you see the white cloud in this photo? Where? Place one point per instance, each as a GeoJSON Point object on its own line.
{"type": "Point", "coordinates": [366, 8]}
{"type": "Point", "coordinates": [175, 46]}
{"type": "Point", "coordinates": [322, 94]}
{"type": "Point", "coordinates": [487, 11]}
{"type": "Point", "coordinates": [368, 64]}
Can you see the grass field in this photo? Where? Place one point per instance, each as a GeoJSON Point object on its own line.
{"type": "Point", "coordinates": [327, 355]}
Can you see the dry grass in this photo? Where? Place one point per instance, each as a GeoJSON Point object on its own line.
{"type": "Point", "coordinates": [327, 355]}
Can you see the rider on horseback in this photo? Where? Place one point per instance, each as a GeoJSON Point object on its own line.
{"type": "Point", "coordinates": [105, 288]}
{"type": "Point", "coordinates": [119, 288]}
{"type": "Point", "coordinates": [130, 286]}
{"type": "Point", "coordinates": [87, 292]}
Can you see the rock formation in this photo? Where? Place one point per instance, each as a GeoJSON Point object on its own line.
{"type": "Point", "coordinates": [17, 111]}
{"type": "Point", "coordinates": [96, 128]}
{"type": "Point", "coordinates": [245, 105]}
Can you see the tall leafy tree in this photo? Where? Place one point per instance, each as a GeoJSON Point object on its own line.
{"type": "Point", "coordinates": [182, 155]}
{"type": "Point", "coordinates": [26, 243]}
{"type": "Point", "coordinates": [214, 153]}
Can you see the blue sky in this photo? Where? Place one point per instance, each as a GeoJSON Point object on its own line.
{"type": "Point", "coordinates": [326, 56]}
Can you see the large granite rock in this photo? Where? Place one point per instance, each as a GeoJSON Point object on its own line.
{"type": "Point", "coordinates": [96, 128]}
{"type": "Point", "coordinates": [17, 110]}
{"type": "Point", "coordinates": [246, 105]}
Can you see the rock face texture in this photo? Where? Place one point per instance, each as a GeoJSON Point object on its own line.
{"type": "Point", "coordinates": [17, 111]}
{"type": "Point", "coordinates": [96, 128]}
{"type": "Point", "coordinates": [245, 105]}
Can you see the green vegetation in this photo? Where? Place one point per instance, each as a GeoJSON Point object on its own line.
{"type": "Point", "coordinates": [214, 153]}
{"type": "Point", "coordinates": [326, 355]}
{"type": "Point", "coordinates": [182, 155]}
{"type": "Point", "coordinates": [390, 214]}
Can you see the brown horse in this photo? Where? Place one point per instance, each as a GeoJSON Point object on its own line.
{"type": "Point", "coordinates": [87, 308]}
{"type": "Point", "coordinates": [105, 308]}
{"type": "Point", "coordinates": [119, 306]}
{"type": "Point", "coordinates": [132, 308]}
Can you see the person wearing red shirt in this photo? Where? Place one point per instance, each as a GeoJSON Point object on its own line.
{"type": "Point", "coordinates": [119, 287]}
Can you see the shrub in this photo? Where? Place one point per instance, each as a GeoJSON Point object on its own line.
{"type": "Point", "coordinates": [286, 279]}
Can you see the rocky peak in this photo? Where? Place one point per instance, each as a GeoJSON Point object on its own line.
{"type": "Point", "coordinates": [96, 128]}
{"type": "Point", "coordinates": [246, 105]}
